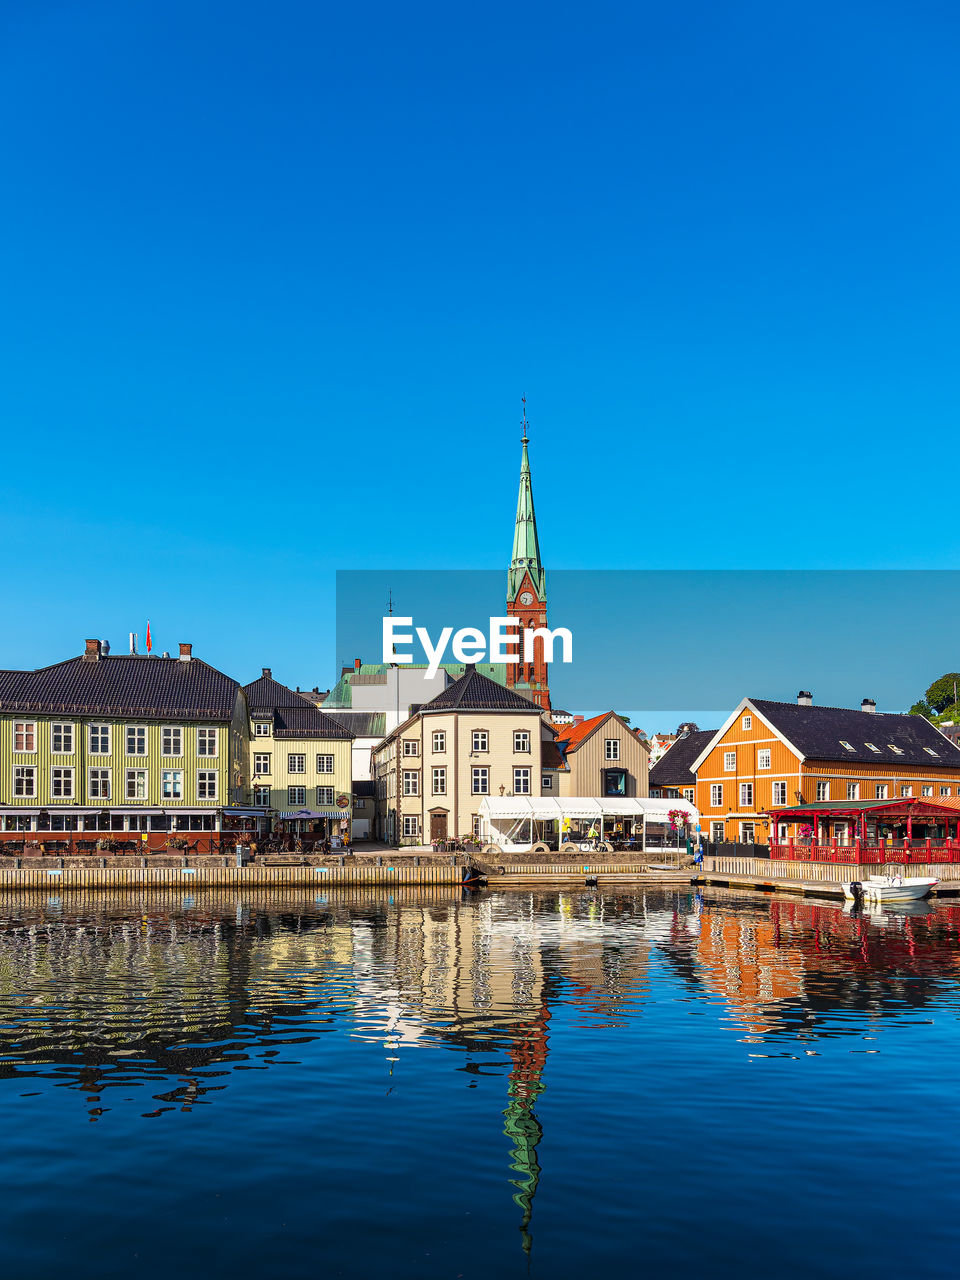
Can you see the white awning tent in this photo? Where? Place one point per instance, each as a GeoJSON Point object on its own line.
{"type": "Point", "coordinates": [510, 821]}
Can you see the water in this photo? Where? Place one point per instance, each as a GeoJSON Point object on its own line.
{"type": "Point", "coordinates": [419, 1085]}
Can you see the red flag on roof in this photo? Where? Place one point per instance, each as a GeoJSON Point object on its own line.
{"type": "Point", "coordinates": [149, 641]}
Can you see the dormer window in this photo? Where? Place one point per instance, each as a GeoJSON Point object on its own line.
{"type": "Point", "coordinates": [846, 745]}
{"type": "Point", "coordinates": [896, 750]}
{"type": "Point", "coordinates": [930, 752]}
{"type": "Point", "coordinates": [873, 747]}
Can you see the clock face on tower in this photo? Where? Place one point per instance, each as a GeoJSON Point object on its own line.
{"type": "Point", "coordinates": [526, 598]}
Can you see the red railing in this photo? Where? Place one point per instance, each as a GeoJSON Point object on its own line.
{"type": "Point", "coordinates": [858, 853]}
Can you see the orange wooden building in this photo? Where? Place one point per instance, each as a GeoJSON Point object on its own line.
{"type": "Point", "coordinates": [772, 756]}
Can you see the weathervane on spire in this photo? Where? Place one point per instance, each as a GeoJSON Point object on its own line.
{"type": "Point", "coordinates": [524, 423]}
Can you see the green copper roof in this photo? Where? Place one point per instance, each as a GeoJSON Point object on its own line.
{"type": "Point", "coordinates": [526, 548]}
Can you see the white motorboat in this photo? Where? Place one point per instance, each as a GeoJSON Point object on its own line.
{"type": "Point", "coordinates": [885, 889]}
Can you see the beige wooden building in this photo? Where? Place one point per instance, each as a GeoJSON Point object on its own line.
{"type": "Point", "coordinates": [601, 756]}
{"type": "Point", "coordinates": [474, 739]}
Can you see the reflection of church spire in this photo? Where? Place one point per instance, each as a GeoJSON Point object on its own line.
{"type": "Point", "coordinates": [529, 1054]}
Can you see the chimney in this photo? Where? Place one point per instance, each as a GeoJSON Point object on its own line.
{"type": "Point", "coordinates": [133, 643]}
{"type": "Point", "coordinates": [105, 648]}
{"type": "Point", "coordinates": [578, 719]}
{"type": "Point", "coordinates": [186, 652]}
{"type": "Point", "coordinates": [92, 653]}
{"type": "Point", "coordinates": [804, 698]}
{"type": "Point", "coordinates": [357, 664]}
{"type": "Point", "coordinates": [868, 704]}
{"type": "Point", "coordinates": [267, 673]}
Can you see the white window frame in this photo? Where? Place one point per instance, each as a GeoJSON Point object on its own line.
{"type": "Point", "coordinates": [297, 762]}
{"type": "Point", "coordinates": [411, 826]}
{"type": "Point", "coordinates": [480, 774]}
{"type": "Point", "coordinates": [206, 735]}
{"type": "Point", "coordinates": [62, 787]}
{"type": "Point", "coordinates": [716, 794]}
{"type": "Point", "coordinates": [100, 730]}
{"type": "Point", "coordinates": [521, 781]}
{"type": "Point", "coordinates": [439, 781]}
{"type": "Point", "coordinates": [926, 791]}
{"type": "Point", "coordinates": [906, 791]}
{"type": "Point", "coordinates": [744, 828]}
{"type": "Point", "coordinates": [746, 795]}
{"type": "Point", "coordinates": [261, 728]}
{"type": "Point", "coordinates": [171, 784]}
{"type": "Point", "coordinates": [27, 730]}
{"type": "Point", "coordinates": [326, 795]}
{"type": "Point", "coordinates": [480, 740]}
{"type": "Point", "coordinates": [325, 762]}
{"type": "Point", "coordinates": [823, 790]}
{"type": "Point", "coordinates": [137, 733]}
{"type": "Point", "coordinates": [729, 762]}
{"type": "Point", "coordinates": [64, 731]}
{"type": "Point", "coordinates": [763, 758]}
{"type": "Point", "coordinates": [26, 776]}
{"type": "Point", "coordinates": [439, 741]}
{"type": "Point", "coordinates": [134, 777]}
{"type": "Point", "coordinates": [945, 791]}
{"type": "Point", "coordinates": [411, 782]}
{"type": "Point", "coordinates": [882, 790]}
{"type": "Point", "coordinates": [546, 783]}
{"type": "Point", "coordinates": [718, 832]}
{"type": "Point", "coordinates": [170, 735]}
{"type": "Point", "coordinates": [258, 763]}
{"type": "Point", "coordinates": [411, 747]}
{"type": "Point", "coordinates": [778, 791]}
{"type": "Point", "coordinates": [689, 793]}
{"type": "Point", "coordinates": [611, 748]}
{"type": "Point", "coordinates": [746, 723]}
{"type": "Point", "coordinates": [853, 790]}
{"type": "Point", "coordinates": [521, 741]}
{"type": "Point", "coordinates": [207, 784]}
{"type": "Point", "coordinates": [99, 784]}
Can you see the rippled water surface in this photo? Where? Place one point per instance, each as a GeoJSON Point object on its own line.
{"type": "Point", "coordinates": [504, 1084]}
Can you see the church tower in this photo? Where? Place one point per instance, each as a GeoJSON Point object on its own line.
{"type": "Point", "coordinates": [527, 589]}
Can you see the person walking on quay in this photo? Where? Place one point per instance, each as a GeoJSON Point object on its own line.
{"type": "Point", "coordinates": [592, 835]}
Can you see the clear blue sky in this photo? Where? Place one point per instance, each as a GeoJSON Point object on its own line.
{"type": "Point", "coordinates": [275, 277]}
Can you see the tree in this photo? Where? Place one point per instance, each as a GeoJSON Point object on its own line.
{"type": "Point", "coordinates": [921, 709]}
{"type": "Point", "coordinates": [941, 693]}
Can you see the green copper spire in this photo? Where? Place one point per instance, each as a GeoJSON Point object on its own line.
{"type": "Point", "coordinates": [526, 548]}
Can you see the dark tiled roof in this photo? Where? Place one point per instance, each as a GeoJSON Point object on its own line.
{"type": "Point", "coordinates": [362, 724]}
{"type": "Point", "coordinates": [551, 757]}
{"type": "Point", "coordinates": [818, 733]}
{"type": "Point", "coordinates": [673, 767]}
{"type": "Point", "coordinates": [475, 692]}
{"type": "Point", "coordinates": [306, 722]}
{"type": "Point", "coordinates": [122, 685]}
{"type": "Point", "coordinates": [266, 694]}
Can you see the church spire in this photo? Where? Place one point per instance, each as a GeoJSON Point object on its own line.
{"type": "Point", "coordinates": [526, 547]}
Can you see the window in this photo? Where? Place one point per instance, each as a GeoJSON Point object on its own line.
{"type": "Point", "coordinates": [896, 750]}
{"type": "Point", "coordinates": [480, 781]}
{"type": "Point", "coordinates": [62, 784]}
{"type": "Point", "coordinates": [906, 791]}
{"type": "Point", "coordinates": [688, 794]}
{"type": "Point", "coordinates": [207, 784]}
{"type": "Point", "coordinates": [439, 741]}
{"type": "Point", "coordinates": [411, 747]}
{"type": "Point", "coordinates": [655, 793]}
{"type": "Point", "coordinates": [411, 782]}
{"type": "Point", "coordinates": [261, 729]}
{"type": "Point", "coordinates": [61, 739]}
{"type": "Point", "coordinates": [296, 797]}
{"type": "Point", "coordinates": [882, 791]}
{"type": "Point", "coordinates": [136, 785]}
{"type": "Point", "coordinates": [746, 795]}
{"type": "Point", "coordinates": [716, 794]}
{"type": "Point", "coordinates": [99, 739]}
{"type": "Point", "coordinates": [747, 723]}
{"type": "Point", "coordinates": [173, 742]}
{"type": "Point", "coordinates": [521, 740]}
{"type": "Point", "coordinates": [873, 747]}
{"type": "Point", "coordinates": [325, 795]}
{"type": "Point", "coordinates": [853, 790]}
{"type": "Point", "coordinates": [779, 793]}
{"type": "Point", "coordinates": [24, 735]}
{"type": "Point", "coordinates": [324, 764]}
{"type": "Point", "coordinates": [729, 762]}
{"type": "Point", "coordinates": [611, 749]}
{"type": "Point", "coordinates": [475, 825]}
{"type": "Point", "coordinates": [99, 784]}
{"type": "Point", "coordinates": [763, 759]}
{"type": "Point", "coordinates": [716, 833]}
{"type": "Point", "coordinates": [546, 782]}
{"type": "Point", "coordinates": [136, 740]}
{"type": "Point", "coordinates": [926, 791]}
{"type": "Point", "coordinates": [480, 740]}
{"type": "Point", "coordinates": [746, 832]}
{"type": "Point", "coordinates": [439, 782]}
{"type": "Point", "coordinates": [261, 763]}
{"type": "Point", "coordinates": [823, 790]}
{"type": "Point", "coordinates": [411, 825]}
{"type": "Point", "coordinates": [207, 742]}
{"type": "Point", "coordinates": [846, 745]}
{"type": "Point", "coordinates": [172, 783]}
{"type": "Point", "coordinates": [945, 791]}
{"type": "Point", "coordinates": [297, 763]}
{"type": "Point", "coordinates": [261, 797]}
{"type": "Point", "coordinates": [930, 752]}
{"type": "Point", "coordinates": [16, 822]}
{"type": "Point", "coordinates": [521, 782]}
